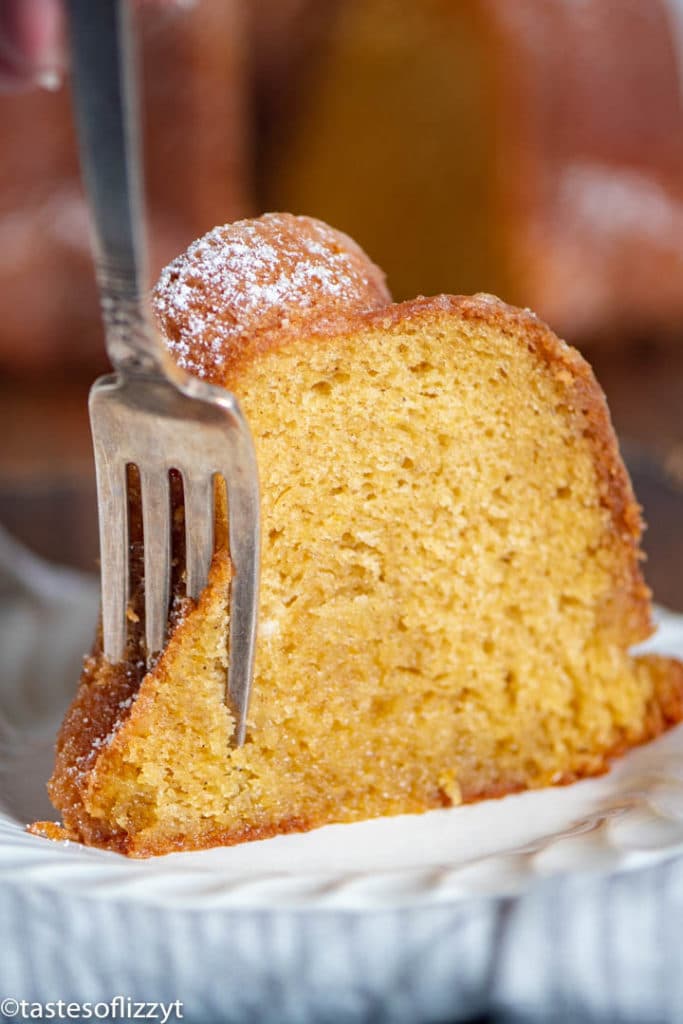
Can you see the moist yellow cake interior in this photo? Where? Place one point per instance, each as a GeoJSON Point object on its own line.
{"type": "Point", "coordinates": [445, 607]}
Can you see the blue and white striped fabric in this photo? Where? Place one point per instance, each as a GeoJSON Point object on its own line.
{"type": "Point", "coordinates": [580, 949]}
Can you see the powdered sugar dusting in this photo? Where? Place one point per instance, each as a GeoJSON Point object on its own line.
{"type": "Point", "coordinates": [277, 273]}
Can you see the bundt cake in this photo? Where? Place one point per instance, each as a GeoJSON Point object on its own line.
{"type": "Point", "coordinates": [532, 148]}
{"type": "Point", "coordinates": [450, 577]}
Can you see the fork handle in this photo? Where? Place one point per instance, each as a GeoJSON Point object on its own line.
{"type": "Point", "coordinates": [106, 107]}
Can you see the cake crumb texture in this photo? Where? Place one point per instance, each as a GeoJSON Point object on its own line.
{"type": "Point", "coordinates": [450, 588]}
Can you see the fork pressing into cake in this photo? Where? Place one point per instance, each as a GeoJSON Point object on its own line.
{"type": "Point", "coordinates": [150, 414]}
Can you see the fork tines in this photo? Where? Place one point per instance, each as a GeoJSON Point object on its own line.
{"type": "Point", "coordinates": [150, 424]}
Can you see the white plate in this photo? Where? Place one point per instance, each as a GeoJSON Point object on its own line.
{"type": "Point", "coordinates": [629, 818]}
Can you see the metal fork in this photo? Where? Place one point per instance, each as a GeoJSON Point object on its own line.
{"type": "Point", "coordinates": [149, 413]}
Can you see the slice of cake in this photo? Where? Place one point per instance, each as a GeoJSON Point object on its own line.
{"type": "Point", "coordinates": [450, 582]}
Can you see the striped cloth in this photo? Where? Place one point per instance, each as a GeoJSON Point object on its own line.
{"type": "Point", "coordinates": [579, 949]}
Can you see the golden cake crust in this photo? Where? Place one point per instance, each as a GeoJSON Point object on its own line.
{"type": "Point", "coordinates": [247, 286]}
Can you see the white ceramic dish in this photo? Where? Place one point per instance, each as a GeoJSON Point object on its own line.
{"type": "Point", "coordinates": [629, 818]}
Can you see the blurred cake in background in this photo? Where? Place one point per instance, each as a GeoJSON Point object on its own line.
{"type": "Point", "coordinates": [47, 291]}
{"type": "Point", "coordinates": [197, 110]}
{"type": "Point", "coordinates": [196, 132]}
{"type": "Point", "coordinates": [547, 134]}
